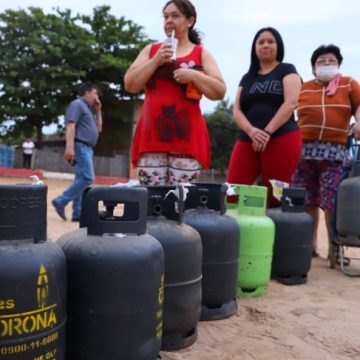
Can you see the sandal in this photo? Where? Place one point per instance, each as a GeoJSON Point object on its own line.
{"type": "Point", "coordinates": [315, 254]}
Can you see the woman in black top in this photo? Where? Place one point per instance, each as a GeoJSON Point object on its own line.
{"type": "Point", "coordinates": [269, 141]}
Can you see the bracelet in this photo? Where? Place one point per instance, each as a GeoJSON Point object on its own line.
{"type": "Point", "coordinates": [269, 133]}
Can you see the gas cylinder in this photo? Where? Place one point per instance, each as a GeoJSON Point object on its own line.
{"type": "Point", "coordinates": [293, 238]}
{"type": "Point", "coordinates": [220, 235]}
{"type": "Point", "coordinates": [257, 233]}
{"type": "Point", "coordinates": [32, 278]}
{"type": "Point", "coordinates": [116, 279]}
{"type": "Point", "coordinates": [348, 206]}
{"type": "Point", "coordinates": [183, 258]}
{"type": "Point", "coordinates": [347, 232]}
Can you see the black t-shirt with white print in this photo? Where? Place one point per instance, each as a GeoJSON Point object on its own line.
{"type": "Point", "coordinates": [261, 97]}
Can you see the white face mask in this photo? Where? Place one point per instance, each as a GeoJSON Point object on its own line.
{"type": "Point", "coordinates": [326, 73]}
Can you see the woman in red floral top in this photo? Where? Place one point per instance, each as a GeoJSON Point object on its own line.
{"type": "Point", "coordinates": [171, 141]}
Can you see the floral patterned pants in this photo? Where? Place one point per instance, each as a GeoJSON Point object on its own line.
{"type": "Point", "coordinates": [167, 169]}
{"type": "Point", "coordinates": [321, 179]}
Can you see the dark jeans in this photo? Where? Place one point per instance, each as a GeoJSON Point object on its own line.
{"type": "Point", "coordinates": [27, 161]}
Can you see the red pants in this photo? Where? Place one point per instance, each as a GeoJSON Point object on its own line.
{"type": "Point", "coordinates": [278, 161]}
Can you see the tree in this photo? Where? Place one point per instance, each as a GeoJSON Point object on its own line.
{"type": "Point", "coordinates": [39, 67]}
{"type": "Point", "coordinates": [118, 42]}
{"type": "Point", "coordinates": [44, 58]}
{"type": "Point", "coordinates": [222, 131]}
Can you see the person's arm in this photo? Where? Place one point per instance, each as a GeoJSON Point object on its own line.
{"type": "Point", "coordinates": [143, 67]}
{"type": "Point", "coordinates": [356, 127]}
{"type": "Point", "coordinates": [257, 135]}
{"type": "Point", "coordinates": [210, 82]}
{"type": "Point", "coordinates": [70, 138]}
{"type": "Point", "coordinates": [355, 105]}
{"type": "Point", "coordinates": [292, 86]}
{"type": "Point", "coordinates": [99, 119]}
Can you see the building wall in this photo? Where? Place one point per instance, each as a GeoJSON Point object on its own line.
{"type": "Point", "coordinates": [52, 159]}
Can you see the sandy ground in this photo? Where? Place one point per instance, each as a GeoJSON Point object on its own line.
{"type": "Point", "coordinates": [317, 320]}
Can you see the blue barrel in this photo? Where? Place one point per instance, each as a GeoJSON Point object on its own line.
{"type": "Point", "coordinates": [6, 156]}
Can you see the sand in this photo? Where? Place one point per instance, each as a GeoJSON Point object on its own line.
{"type": "Point", "coordinates": [317, 320]}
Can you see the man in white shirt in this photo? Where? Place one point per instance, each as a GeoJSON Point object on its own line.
{"type": "Point", "coordinates": [28, 148]}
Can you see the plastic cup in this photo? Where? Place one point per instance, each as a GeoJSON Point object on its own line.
{"type": "Point", "coordinates": [174, 42]}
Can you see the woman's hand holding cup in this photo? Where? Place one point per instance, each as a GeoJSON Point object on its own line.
{"type": "Point", "coordinates": [165, 54]}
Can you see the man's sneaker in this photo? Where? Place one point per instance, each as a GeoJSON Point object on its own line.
{"type": "Point", "coordinates": [59, 210]}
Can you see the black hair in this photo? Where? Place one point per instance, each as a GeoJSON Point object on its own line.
{"type": "Point", "coordinates": [254, 61]}
{"type": "Point", "coordinates": [86, 87]}
{"type": "Point", "coordinates": [188, 10]}
{"type": "Point", "coordinates": [326, 49]}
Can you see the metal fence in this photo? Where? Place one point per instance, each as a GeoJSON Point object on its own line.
{"type": "Point", "coordinates": [51, 159]}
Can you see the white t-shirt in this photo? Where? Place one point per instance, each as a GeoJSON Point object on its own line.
{"type": "Point", "coordinates": [28, 147]}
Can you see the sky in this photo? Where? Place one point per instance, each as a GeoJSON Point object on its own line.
{"type": "Point", "coordinates": [229, 27]}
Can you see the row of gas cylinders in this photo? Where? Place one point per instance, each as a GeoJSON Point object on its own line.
{"type": "Point", "coordinates": [145, 266]}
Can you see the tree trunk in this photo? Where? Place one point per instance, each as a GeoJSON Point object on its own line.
{"type": "Point", "coordinates": [39, 134]}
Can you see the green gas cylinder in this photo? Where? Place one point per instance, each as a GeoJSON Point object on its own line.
{"type": "Point", "coordinates": [257, 234]}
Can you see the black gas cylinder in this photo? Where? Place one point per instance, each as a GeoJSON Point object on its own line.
{"type": "Point", "coordinates": [220, 236]}
{"type": "Point", "coordinates": [116, 279]}
{"type": "Point", "coordinates": [183, 256]}
{"type": "Point", "coordinates": [293, 238]}
{"type": "Point", "coordinates": [23, 212]}
{"type": "Point", "coordinates": [348, 206]}
{"type": "Point", "coordinates": [32, 278]}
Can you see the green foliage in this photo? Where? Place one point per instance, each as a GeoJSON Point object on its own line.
{"type": "Point", "coordinates": [44, 58]}
{"type": "Point", "coordinates": [118, 42]}
{"type": "Point", "coordinates": [11, 138]}
{"type": "Point", "coordinates": [222, 131]}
